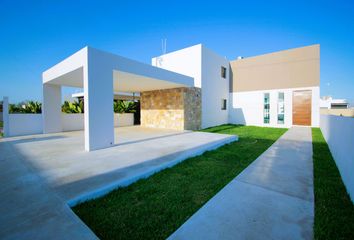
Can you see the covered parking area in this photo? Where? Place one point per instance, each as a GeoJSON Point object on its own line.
{"type": "Point", "coordinates": [100, 74]}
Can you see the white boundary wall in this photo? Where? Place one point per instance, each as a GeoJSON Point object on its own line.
{"type": "Point", "coordinates": [72, 122]}
{"type": "Point", "coordinates": [24, 124]}
{"type": "Point", "coordinates": [123, 120]}
{"type": "Point", "coordinates": [339, 134]}
{"type": "Point", "coordinates": [27, 124]}
{"type": "Point", "coordinates": [247, 107]}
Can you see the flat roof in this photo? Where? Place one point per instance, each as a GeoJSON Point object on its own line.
{"type": "Point", "coordinates": [127, 75]}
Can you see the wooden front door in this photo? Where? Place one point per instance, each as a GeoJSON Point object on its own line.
{"type": "Point", "coordinates": [302, 107]}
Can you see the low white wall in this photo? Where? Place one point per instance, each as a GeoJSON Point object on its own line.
{"type": "Point", "coordinates": [24, 124]}
{"type": "Point", "coordinates": [339, 134]}
{"type": "Point", "coordinates": [122, 120]}
{"type": "Point", "coordinates": [75, 121]}
{"type": "Point", "coordinates": [72, 121]}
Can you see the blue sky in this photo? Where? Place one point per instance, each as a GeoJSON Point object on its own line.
{"type": "Point", "coordinates": [34, 35]}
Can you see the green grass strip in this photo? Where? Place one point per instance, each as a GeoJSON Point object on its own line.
{"type": "Point", "coordinates": [334, 211]}
{"type": "Point", "coordinates": [155, 207]}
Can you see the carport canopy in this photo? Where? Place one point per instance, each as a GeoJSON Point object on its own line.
{"type": "Point", "coordinates": [100, 74]}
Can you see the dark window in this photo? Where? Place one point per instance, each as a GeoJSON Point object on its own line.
{"type": "Point", "coordinates": [223, 72]}
{"type": "Point", "coordinates": [223, 104]}
{"type": "Point", "coordinates": [339, 105]}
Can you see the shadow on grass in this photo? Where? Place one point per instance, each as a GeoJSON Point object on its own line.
{"type": "Point", "coordinates": [221, 128]}
{"type": "Point", "coordinates": [155, 207]}
{"type": "Point", "coordinates": [334, 211]}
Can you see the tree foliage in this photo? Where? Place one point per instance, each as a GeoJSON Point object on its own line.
{"type": "Point", "coordinates": [26, 107]}
{"type": "Point", "coordinates": [73, 107]}
{"type": "Point", "coordinates": [119, 106]}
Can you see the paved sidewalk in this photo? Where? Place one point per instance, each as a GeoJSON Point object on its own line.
{"type": "Point", "coordinates": [271, 199]}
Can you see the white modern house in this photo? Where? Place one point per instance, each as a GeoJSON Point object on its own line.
{"type": "Point", "coordinates": [279, 89]}
{"type": "Point", "coordinates": [327, 102]}
{"type": "Point", "coordinates": [188, 89]}
{"type": "Point", "coordinates": [333, 106]}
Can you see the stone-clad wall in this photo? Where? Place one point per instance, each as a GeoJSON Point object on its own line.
{"type": "Point", "coordinates": [192, 108]}
{"type": "Point", "coordinates": [177, 108]}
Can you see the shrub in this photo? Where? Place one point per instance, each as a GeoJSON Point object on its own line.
{"type": "Point", "coordinates": [73, 107]}
{"type": "Point", "coordinates": [121, 106]}
{"type": "Point", "coordinates": [27, 107]}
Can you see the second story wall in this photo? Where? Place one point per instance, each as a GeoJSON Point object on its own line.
{"type": "Point", "coordinates": [293, 68]}
{"type": "Point", "coordinates": [186, 61]}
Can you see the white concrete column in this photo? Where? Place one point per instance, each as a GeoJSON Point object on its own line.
{"type": "Point", "coordinates": [5, 116]}
{"type": "Point", "coordinates": [51, 108]}
{"type": "Point", "coordinates": [98, 97]}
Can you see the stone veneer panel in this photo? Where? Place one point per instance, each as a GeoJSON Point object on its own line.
{"type": "Point", "coordinates": [177, 108]}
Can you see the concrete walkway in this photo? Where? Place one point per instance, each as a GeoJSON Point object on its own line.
{"type": "Point", "coordinates": [271, 199]}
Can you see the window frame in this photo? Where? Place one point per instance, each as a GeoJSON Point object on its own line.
{"type": "Point", "coordinates": [281, 121]}
{"type": "Point", "coordinates": [266, 111]}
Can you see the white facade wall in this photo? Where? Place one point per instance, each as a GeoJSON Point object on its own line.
{"type": "Point", "coordinates": [186, 61]}
{"type": "Point", "coordinates": [247, 107]}
{"type": "Point", "coordinates": [338, 132]}
{"type": "Point", "coordinates": [205, 67]}
{"type": "Point", "coordinates": [214, 89]}
{"type": "Point", "coordinates": [27, 124]}
{"type": "Point", "coordinates": [325, 103]}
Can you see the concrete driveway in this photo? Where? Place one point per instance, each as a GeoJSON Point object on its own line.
{"type": "Point", "coordinates": [41, 174]}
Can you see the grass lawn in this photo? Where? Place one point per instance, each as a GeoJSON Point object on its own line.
{"type": "Point", "coordinates": [334, 211]}
{"type": "Point", "coordinates": [154, 208]}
